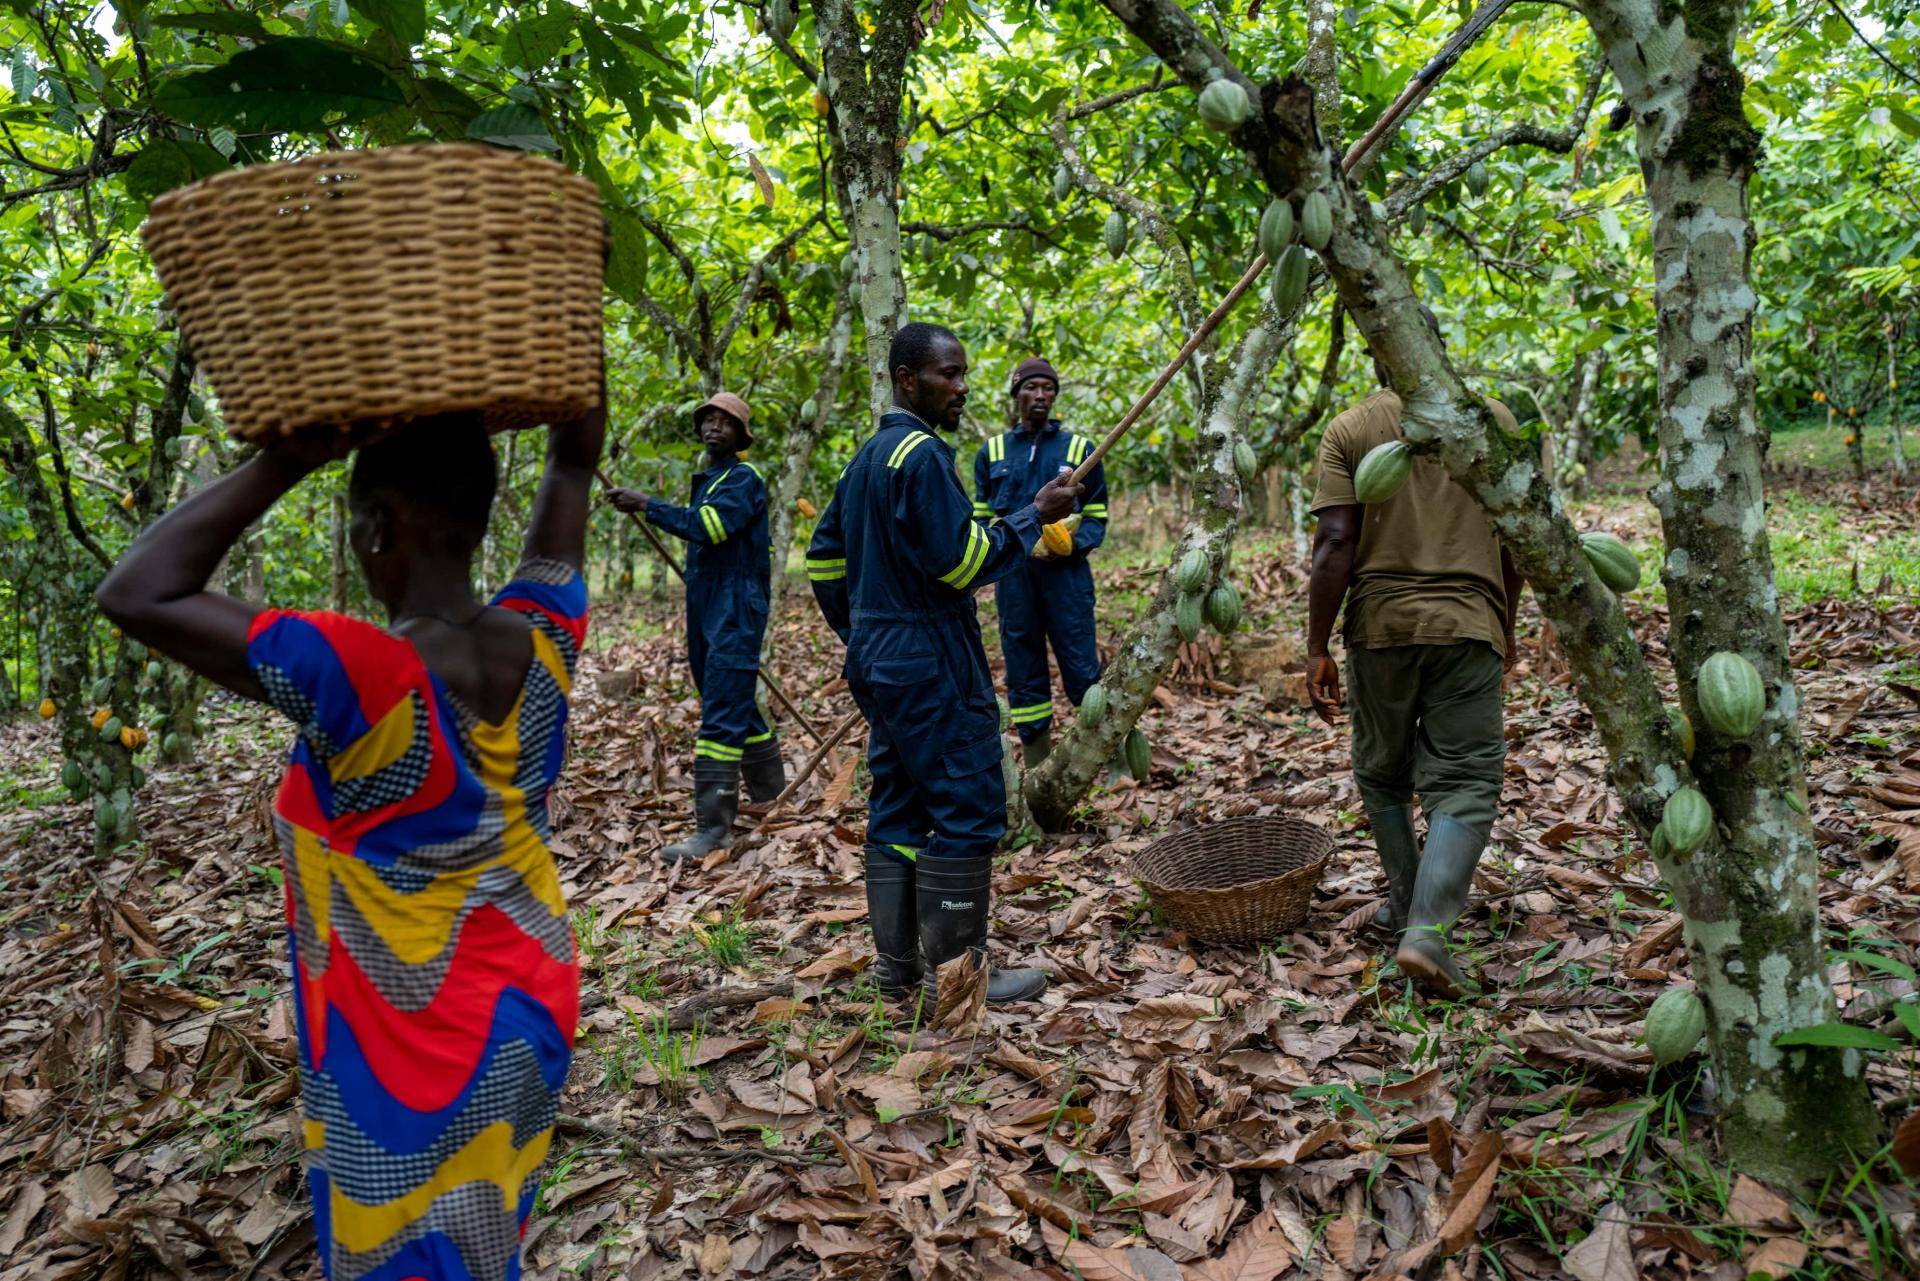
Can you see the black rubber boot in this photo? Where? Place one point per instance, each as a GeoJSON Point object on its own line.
{"type": "Point", "coordinates": [716, 801]}
{"type": "Point", "coordinates": [954, 894]}
{"type": "Point", "coordinates": [1036, 749]}
{"type": "Point", "coordinates": [1399, 858]}
{"type": "Point", "coordinates": [892, 912]}
{"type": "Point", "coordinates": [1439, 894]}
{"type": "Point", "coordinates": [764, 771]}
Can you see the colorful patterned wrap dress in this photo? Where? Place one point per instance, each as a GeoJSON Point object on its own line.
{"type": "Point", "coordinates": [435, 980]}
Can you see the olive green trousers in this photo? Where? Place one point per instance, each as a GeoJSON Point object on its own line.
{"type": "Point", "coordinates": [1427, 720]}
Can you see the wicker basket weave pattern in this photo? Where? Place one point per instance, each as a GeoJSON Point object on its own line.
{"type": "Point", "coordinates": [385, 284]}
{"type": "Point", "coordinates": [1240, 880]}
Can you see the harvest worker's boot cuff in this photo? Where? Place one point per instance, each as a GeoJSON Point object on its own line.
{"type": "Point", "coordinates": [765, 772]}
{"type": "Point", "coordinates": [954, 894]}
{"type": "Point", "coordinates": [1439, 894]}
{"type": "Point", "coordinates": [1399, 858]}
{"type": "Point", "coordinates": [716, 801]}
{"type": "Point", "coordinates": [892, 913]}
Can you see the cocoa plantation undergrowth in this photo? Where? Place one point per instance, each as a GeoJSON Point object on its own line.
{"type": "Point", "coordinates": [741, 1104]}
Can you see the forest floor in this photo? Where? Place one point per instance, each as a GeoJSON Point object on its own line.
{"type": "Point", "coordinates": [1169, 1110]}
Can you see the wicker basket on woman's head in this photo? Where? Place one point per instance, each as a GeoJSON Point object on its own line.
{"type": "Point", "coordinates": [383, 285]}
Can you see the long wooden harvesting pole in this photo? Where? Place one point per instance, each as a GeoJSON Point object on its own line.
{"type": "Point", "coordinates": [1417, 88]}
{"type": "Point", "coordinates": [773, 688]}
{"type": "Point", "coordinates": [813, 763]}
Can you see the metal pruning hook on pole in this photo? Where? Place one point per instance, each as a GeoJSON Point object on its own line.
{"type": "Point", "coordinates": [1417, 88]}
{"type": "Point", "coordinates": [773, 688]}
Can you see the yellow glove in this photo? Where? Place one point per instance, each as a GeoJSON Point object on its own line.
{"type": "Point", "coordinates": [1057, 539]}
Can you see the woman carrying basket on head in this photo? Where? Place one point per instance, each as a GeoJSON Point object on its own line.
{"type": "Point", "coordinates": [435, 981]}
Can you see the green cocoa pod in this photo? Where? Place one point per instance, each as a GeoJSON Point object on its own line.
{"type": "Point", "coordinates": [1290, 280]}
{"type": "Point", "coordinates": [1477, 180]}
{"type": "Point", "coordinates": [1675, 1024]}
{"type": "Point", "coordinates": [782, 18]}
{"type": "Point", "coordinates": [1662, 847]}
{"type": "Point", "coordinates": [1093, 705]}
{"type": "Point", "coordinates": [1682, 730]}
{"type": "Point", "coordinates": [1612, 560]}
{"type": "Point", "coordinates": [1244, 462]}
{"type": "Point", "coordinates": [854, 290]}
{"type": "Point", "coordinates": [139, 778]}
{"type": "Point", "coordinates": [1191, 574]}
{"type": "Point", "coordinates": [1223, 608]}
{"type": "Point", "coordinates": [1276, 229]}
{"type": "Point", "coordinates": [1687, 820]}
{"type": "Point", "coordinates": [170, 744]}
{"type": "Point", "coordinates": [105, 817]}
{"type": "Point", "coordinates": [110, 730]}
{"type": "Point", "coordinates": [1062, 183]}
{"type": "Point", "coordinates": [103, 689]}
{"type": "Point", "coordinates": [153, 671]}
{"type": "Point", "coordinates": [847, 263]}
{"type": "Point", "coordinates": [1188, 615]}
{"type": "Point", "coordinates": [1382, 472]}
{"type": "Point", "coordinates": [1795, 798]}
{"type": "Point", "coordinates": [1115, 234]}
{"type": "Point", "coordinates": [1730, 694]}
{"type": "Point", "coordinates": [1139, 755]}
{"type": "Point", "coordinates": [1316, 220]}
{"type": "Point", "coordinates": [808, 408]}
{"type": "Point", "coordinates": [71, 778]}
{"type": "Point", "coordinates": [1417, 219]}
{"type": "Point", "coordinates": [1224, 106]}
{"type": "Point", "coordinates": [196, 407]}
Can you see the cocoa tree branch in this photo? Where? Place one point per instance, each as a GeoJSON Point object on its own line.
{"type": "Point", "coordinates": [1322, 67]}
{"type": "Point", "coordinates": [1855, 28]}
{"type": "Point", "coordinates": [1186, 291]}
{"type": "Point", "coordinates": [947, 233]}
{"type": "Point", "coordinates": [1410, 192]}
{"type": "Point", "coordinates": [750, 286]}
{"type": "Point", "coordinates": [1108, 101]}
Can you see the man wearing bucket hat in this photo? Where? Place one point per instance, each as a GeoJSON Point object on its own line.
{"type": "Point", "coordinates": [1049, 598]}
{"type": "Point", "coordinates": [729, 560]}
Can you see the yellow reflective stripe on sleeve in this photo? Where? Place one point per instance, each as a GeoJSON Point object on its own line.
{"type": "Point", "coordinates": [906, 852]}
{"type": "Point", "coordinates": [715, 751]}
{"type": "Point", "coordinates": [750, 467]}
{"type": "Point", "coordinates": [1036, 712]}
{"type": "Point", "coordinates": [711, 520]}
{"type": "Point", "coordinates": [1097, 510]}
{"type": "Point", "coordinates": [971, 560]}
{"type": "Point", "coordinates": [982, 509]}
{"type": "Point", "coordinates": [1077, 450]}
{"type": "Point", "coordinates": [913, 441]}
{"type": "Point", "coordinates": [821, 571]}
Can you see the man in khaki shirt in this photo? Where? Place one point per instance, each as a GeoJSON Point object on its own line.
{"type": "Point", "coordinates": [1430, 598]}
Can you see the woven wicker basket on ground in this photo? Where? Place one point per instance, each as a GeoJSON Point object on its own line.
{"type": "Point", "coordinates": [386, 284]}
{"type": "Point", "coordinates": [1240, 880]}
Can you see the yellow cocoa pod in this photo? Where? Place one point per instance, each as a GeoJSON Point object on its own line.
{"type": "Point", "coordinates": [47, 709]}
{"type": "Point", "coordinates": [1058, 538]}
{"type": "Point", "coordinates": [99, 717]}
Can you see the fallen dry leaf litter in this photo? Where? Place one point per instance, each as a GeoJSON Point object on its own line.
{"type": "Point", "coordinates": [741, 1106]}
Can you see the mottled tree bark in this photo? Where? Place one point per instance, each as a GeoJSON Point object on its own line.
{"type": "Point", "coordinates": [786, 487]}
{"type": "Point", "coordinates": [864, 84]}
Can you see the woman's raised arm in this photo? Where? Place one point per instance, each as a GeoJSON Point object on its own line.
{"type": "Point", "coordinates": [158, 590]}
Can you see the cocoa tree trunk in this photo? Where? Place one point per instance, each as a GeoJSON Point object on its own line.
{"type": "Point", "coordinates": [1893, 401]}
{"type": "Point", "coordinates": [1751, 902]}
{"type": "Point", "coordinates": [337, 581]}
{"type": "Point", "coordinates": [863, 84]}
{"type": "Point", "coordinates": [789, 484]}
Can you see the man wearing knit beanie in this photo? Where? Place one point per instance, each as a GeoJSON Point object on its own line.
{"type": "Point", "coordinates": [1050, 601]}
